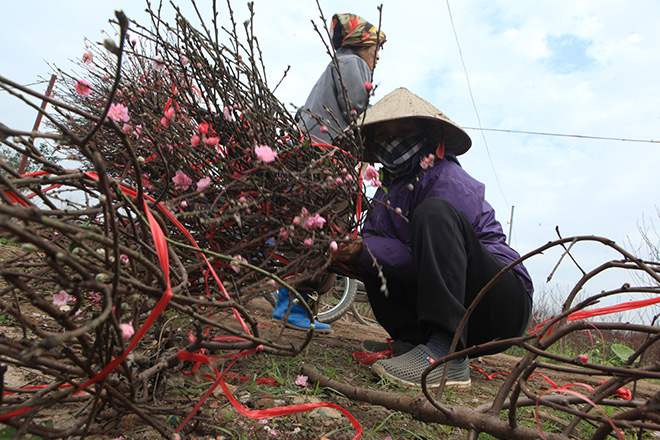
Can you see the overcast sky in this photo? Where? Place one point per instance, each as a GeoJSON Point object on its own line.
{"type": "Point", "coordinates": [585, 68]}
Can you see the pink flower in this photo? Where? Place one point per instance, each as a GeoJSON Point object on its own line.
{"type": "Point", "coordinates": [307, 242]}
{"type": "Point", "coordinates": [370, 173]}
{"type": "Point", "coordinates": [226, 112]}
{"type": "Point", "coordinates": [127, 331]}
{"type": "Point", "coordinates": [83, 87]}
{"type": "Point", "coordinates": [169, 113]}
{"type": "Point", "coordinates": [126, 128]}
{"type": "Point", "coordinates": [203, 128]}
{"type": "Point", "coordinates": [369, 86]}
{"type": "Point", "coordinates": [118, 113]}
{"type": "Point", "coordinates": [333, 246]}
{"type": "Point", "coordinates": [184, 204]}
{"type": "Point", "coordinates": [272, 282]}
{"type": "Point", "coordinates": [184, 60]}
{"type": "Point", "coordinates": [301, 381]}
{"type": "Point", "coordinates": [157, 63]}
{"type": "Point", "coordinates": [235, 263]}
{"type": "Point", "coordinates": [181, 180]}
{"type": "Point", "coordinates": [87, 58]}
{"type": "Point", "coordinates": [61, 298]}
{"type": "Point", "coordinates": [323, 129]}
{"type": "Point", "coordinates": [164, 121]}
{"type": "Point", "coordinates": [315, 221]}
{"type": "Point", "coordinates": [203, 183]}
{"type": "Point", "coordinates": [376, 183]}
{"type": "Point", "coordinates": [426, 162]}
{"type": "Point", "coordinates": [348, 178]}
{"type": "Point", "coordinates": [338, 180]}
{"type": "Point", "coordinates": [397, 210]}
{"type": "Point", "coordinates": [265, 153]}
{"type": "Point", "coordinates": [212, 141]}
{"type": "Point", "coordinates": [195, 139]}
{"type": "Point", "coordinates": [284, 233]}
{"type": "Point", "coordinates": [124, 258]}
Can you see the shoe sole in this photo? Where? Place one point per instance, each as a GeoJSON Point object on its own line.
{"type": "Point", "coordinates": [302, 329]}
{"type": "Point", "coordinates": [457, 385]}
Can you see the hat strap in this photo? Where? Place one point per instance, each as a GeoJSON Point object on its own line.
{"type": "Point", "coordinates": [440, 150]}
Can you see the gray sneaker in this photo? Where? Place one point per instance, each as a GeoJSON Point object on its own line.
{"type": "Point", "coordinates": [407, 369]}
{"type": "Point", "coordinates": [399, 347]}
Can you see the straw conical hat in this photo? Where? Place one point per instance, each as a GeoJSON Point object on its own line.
{"type": "Point", "coordinates": [401, 104]}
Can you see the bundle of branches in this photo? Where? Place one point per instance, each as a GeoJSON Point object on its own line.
{"type": "Point", "coordinates": [202, 132]}
{"type": "Point", "coordinates": [193, 192]}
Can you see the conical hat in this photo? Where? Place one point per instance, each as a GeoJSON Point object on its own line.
{"type": "Point", "coordinates": [401, 103]}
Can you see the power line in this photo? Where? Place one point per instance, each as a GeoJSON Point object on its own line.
{"type": "Point", "coordinates": [579, 136]}
{"type": "Point", "coordinates": [474, 105]}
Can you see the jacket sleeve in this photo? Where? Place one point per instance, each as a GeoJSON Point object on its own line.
{"type": "Point", "coordinates": [354, 73]}
{"type": "Point", "coordinates": [394, 256]}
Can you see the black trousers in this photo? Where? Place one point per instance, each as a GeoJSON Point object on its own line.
{"type": "Point", "coordinates": [452, 267]}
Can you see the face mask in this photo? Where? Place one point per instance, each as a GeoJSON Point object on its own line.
{"type": "Point", "coordinates": [396, 153]}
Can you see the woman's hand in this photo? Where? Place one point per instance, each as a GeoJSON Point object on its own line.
{"type": "Point", "coordinates": [351, 251]}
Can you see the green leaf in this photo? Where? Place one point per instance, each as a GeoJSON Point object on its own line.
{"type": "Point", "coordinates": [623, 352]}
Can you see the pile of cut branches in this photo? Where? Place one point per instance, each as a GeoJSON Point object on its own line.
{"type": "Point", "coordinates": [186, 190]}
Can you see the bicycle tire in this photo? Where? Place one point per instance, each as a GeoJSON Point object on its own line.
{"type": "Point", "coordinates": [343, 292]}
{"type": "Point", "coordinates": [333, 304]}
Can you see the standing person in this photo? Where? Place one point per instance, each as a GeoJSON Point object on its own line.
{"type": "Point", "coordinates": [357, 43]}
{"type": "Point", "coordinates": [437, 243]}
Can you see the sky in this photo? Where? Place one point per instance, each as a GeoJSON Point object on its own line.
{"type": "Point", "coordinates": [585, 68]}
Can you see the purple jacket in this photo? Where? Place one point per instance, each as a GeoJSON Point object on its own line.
{"type": "Point", "coordinates": [387, 235]}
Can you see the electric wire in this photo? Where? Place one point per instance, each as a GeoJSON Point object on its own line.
{"type": "Point", "coordinates": [474, 105]}
{"type": "Point", "coordinates": [578, 136]}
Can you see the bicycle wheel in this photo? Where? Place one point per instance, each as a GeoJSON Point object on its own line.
{"type": "Point", "coordinates": [337, 301]}
{"type": "Point", "coordinates": [333, 304]}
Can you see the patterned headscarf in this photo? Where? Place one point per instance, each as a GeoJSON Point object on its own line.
{"type": "Point", "coordinates": [352, 30]}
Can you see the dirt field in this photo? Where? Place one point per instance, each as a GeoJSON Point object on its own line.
{"type": "Point", "coordinates": [330, 355]}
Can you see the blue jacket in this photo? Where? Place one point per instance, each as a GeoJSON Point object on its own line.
{"type": "Point", "coordinates": [387, 235]}
{"type": "Point", "coordinates": [327, 92]}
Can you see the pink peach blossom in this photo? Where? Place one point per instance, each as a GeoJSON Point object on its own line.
{"type": "Point", "coordinates": [118, 113]}
{"type": "Point", "coordinates": [427, 161]}
{"type": "Point", "coordinates": [169, 113]}
{"type": "Point", "coordinates": [235, 263]}
{"type": "Point", "coordinates": [184, 60]}
{"type": "Point", "coordinates": [203, 183]}
{"type": "Point", "coordinates": [157, 63]}
{"type": "Point", "coordinates": [324, 129]}
{"type": "Point", "coordinates": [83, 87]}
{"type": "Point", "coordinates": [301, 381]}
{"type": "Point", "coordinates": [61, 298]}
{"type": "Point", "coordinates": [181, 180]}
{"type": "Point", "coordinates": [315, 221]}
{"type": "Point", "coordinates": [195, 140]}
{"type": "Point", "coordinates": [127, 331]}
{"type": "Point", "coordinates": [212, 141]}
{"type": "Point", "coordinates": [370, 173]}
{"type": "Point", "coordinates": [226, 112]}
{"type": "Point", "coordinates": [127, 128]}
{"type": "Point", "coordinates": [87, 58]}
{"type": "Point", "coordinates": [265, 153]}
{"type": "Point", "coordinates": [284, 233]}
{"type": "Point", "coordinates": [164, 121]}
{"type": "Point", "coordinates": [369, 86]}
{"type": "Point", "coordinates": [203, 128]}
{"type": "Point", "coordinates": [333, 246]}
{"type": "Point", "coordinates": [308, 242]}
